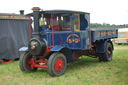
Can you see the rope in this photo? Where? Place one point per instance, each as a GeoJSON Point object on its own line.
{"type": "Point", "coordinates": [61, 39]}
{"type": "Point", "coordinates": [52, 30]}
{"type": "Point", "coordinates": [60, 34]}
{"type": "Point", "coordinates": [52, 16]}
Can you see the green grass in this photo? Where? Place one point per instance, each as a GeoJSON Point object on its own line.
{"type": "Point", "coordinates": [85, 71]}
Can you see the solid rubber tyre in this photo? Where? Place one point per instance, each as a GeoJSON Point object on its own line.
{"type": "Point", "coordinates": [53, 66]}
{"type": "Point", "coordinates": [23, 63]}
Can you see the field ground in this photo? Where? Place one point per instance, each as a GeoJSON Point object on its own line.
{"type": "Point", "coordinates": [85, 71]}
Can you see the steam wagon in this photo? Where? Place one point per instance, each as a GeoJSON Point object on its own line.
{"type": "Point", "coordinates": [62, 36]}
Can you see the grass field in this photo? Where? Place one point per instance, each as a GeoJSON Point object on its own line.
{"type": "Point", "coordinates": [85, 71]}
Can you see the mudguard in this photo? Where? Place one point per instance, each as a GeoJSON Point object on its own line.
{"type": "Point", "coordinates": [101, 46]}
{"type": "Point", "coordinates": [57, 48]}
{"type": "Point", "coordinates": [66, 51]}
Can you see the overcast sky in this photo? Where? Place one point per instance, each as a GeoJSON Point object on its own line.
{"type": "Point", "coordinates": [102, 11]}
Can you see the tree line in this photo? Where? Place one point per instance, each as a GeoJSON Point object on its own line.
{"type": "Point", "coordinates": [98, 25]}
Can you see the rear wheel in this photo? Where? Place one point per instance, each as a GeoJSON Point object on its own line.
{"type": "Point", "coordinates": [57, 64]}
{"type": "Point", "coordinates": [107, 55]}
{"type": "Point", "coordinates": [26, 62]}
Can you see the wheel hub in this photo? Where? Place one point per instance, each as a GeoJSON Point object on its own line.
{"type": "Point", "coordinates": [108, 52]}
{"type": "Point", "coordinates": [30, 63]}
{"type": "Point", "coordinates": [59, 65]}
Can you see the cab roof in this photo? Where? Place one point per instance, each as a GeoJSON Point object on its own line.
{"type": "Point", "coordinates": [59, 12]}
{"type": "Point", "coordinates": [62, 12]}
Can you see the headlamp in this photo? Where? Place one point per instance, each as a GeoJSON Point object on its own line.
{"type": "Point", "coordinates": [33, 44]}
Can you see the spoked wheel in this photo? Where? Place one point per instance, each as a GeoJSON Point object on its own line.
{"type": "Point", "coordinates": [26, 63]}
{"type": "Point", "coordinates": [57, 64]}
{"type": "Point", "coordinates": [107, 56]}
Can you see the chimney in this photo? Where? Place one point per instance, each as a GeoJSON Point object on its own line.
{"type": "Point", "coordinates": [21, 12]}
{"type": "Point", "coordinates": [36, 16]}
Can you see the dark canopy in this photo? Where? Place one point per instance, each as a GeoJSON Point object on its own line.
{"type": "Point", "coordinates": [14, 33]}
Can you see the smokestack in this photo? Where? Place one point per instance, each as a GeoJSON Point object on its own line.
{"type": "Point", "coordinates": [21, 12]}
{"type": "Point", "coordinates": [36, 16]}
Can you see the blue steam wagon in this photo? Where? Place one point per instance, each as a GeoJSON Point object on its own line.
{"type": "Point", "coordinates": [62, 36]}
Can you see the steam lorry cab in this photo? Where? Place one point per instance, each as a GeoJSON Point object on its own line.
{"type": "Point", "coordinates": [62, 36]}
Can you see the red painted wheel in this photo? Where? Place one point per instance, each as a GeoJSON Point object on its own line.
{"type": "Point", "coordinates": [26, 63]}
{"type": "Point", "coordinates": [57, 64]}
{"type": "Point", "coordinates": [107, 56]}
{"type": "Point", "coordinates": [108, 53]}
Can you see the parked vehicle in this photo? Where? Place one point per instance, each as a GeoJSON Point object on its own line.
{"type": "Point", "coordinates": [12, 28]}
{"type": "Point", "coordinates": [62, 36]}
{"type": "Point", "coordinates": [122, 36]}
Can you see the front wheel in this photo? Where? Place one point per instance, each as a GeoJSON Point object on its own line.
{"type": "Point", "coordinates": [25, 63]}
{"type": "Point", "coordinates": [107, 55]}
{"type": "Point", "coordinates": [57, 64]}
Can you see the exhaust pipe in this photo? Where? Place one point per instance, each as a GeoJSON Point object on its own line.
{"type": "Point", "coordinates": [36, 16]}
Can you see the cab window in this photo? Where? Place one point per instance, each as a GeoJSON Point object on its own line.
{"type": "Point", "coordinates": [76, 22]}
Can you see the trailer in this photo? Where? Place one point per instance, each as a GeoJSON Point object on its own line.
{"type": "Point", "coordinates": [14, 33]}
{"type": "Point", "coordinates": [62, 36]}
